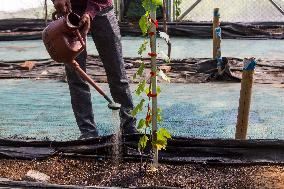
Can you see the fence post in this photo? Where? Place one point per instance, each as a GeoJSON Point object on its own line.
{"type": "Point", "coordinates": [173, 10]}
{"type": "Point", "coordinates": [118, 7]}
{"type": "Point", "coordinates": [170, 11]}
{"type": "Point", "coordinates": [217, 35]}
{"type": "Point", "coordinates": [45, 12]}
{"type": "Point", "coordinates": [245, 98]}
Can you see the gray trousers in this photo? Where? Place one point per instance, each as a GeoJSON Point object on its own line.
{"type": "Point", "coordinates": [106, 35]}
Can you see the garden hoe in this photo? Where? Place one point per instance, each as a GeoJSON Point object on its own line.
{"type": "Point", "coordinates": [64, 43]}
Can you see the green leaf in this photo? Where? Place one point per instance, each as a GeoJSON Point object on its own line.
{"type": "Point", "coordinates": [162, 139]}
{"type": "Point", "coordinates": [177, 4]}
{"type": "Point", "coordinates": [163, 133]}
{"type": "Point", "coordinates": [158, 90]}
{"type": "Point", "coordinates": [157, 2]}
{"type": "Point", "coordinates": [160, 144]}
{"type": "Point", "coordinates": [141, 87]}
{"type": "Point", "coordinates": [144, 24]}
{"type": "Point", "coordinates": [138, 108]}
{"type": "Point", "coordinates": [143, 47]}
{"type": "Point", "coordinates": [147, 90]}
{"type": "Point", "coordinates": [141, 124]}
{"type": "Point", "coordinates": [164, 76]}
{"type": "Point", "coordinates": [148, 6]}
{"type": "Point", "coordinates": [139, 71]}
{"type": "Point", "coordinates": [159, 118]}
{"type": "Point", "coordinates": [142, 143]}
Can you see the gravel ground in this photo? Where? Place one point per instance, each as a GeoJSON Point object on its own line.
{"type": "Point", "coordinates": [191, 70]}
{"type": "Point", "coordinates": [103, 173]}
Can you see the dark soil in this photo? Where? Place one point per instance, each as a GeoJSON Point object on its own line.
{"type": "Point", "coordinates": [104, 173]}
{"type": "Point", "coordinates": [181, 71]}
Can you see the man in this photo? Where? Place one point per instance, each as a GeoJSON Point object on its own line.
{"type": "Point", "coordinates": [98, 16]}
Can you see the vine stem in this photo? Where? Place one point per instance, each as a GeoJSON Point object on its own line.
{"type": "Point", "coordinates": [154, 87]}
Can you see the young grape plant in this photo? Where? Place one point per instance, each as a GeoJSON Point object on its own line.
{"type": "Point", "coordinates": [147, 89]}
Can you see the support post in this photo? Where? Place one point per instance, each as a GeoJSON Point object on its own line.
{"type": "Point", "coordinates": [245, 98]}
{"type": "Point", "coordinates": [170, 12]}
{"type": "Point", "coordinates": [189, 10]}
{"type": "Point", "coordinates": [277, 6]}
{"type": "Point", "coordinates": [122, 9]}
{"type": "Point", "coordinates": [45, 12]}
{"type": "Point", "coordinates": [118, 5]}
{"type": "Point", "coordinates": [154, 86]}
{"type": "Point", "coordinates": [165, 17]}
{"type": "Point", "coordinates": [173, 9]}
{"type": "Point", "coordinates": [217, 35]}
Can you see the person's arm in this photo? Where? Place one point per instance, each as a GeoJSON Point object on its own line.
{"type": "Point", "coordinates": [95, 6]}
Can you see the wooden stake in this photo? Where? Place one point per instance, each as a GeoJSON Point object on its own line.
{"type": "Point", "coordinates": [245, 99]}
{"type": "Point", "coordinates": [217, 55]}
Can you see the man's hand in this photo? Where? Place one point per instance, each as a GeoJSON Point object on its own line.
{"type": "Point", "coordinates": [85, 24]}
{"type": "Point", "coordinates": [62, 6]}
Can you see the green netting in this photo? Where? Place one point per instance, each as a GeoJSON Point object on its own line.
{"type": "Point", "coordinates": [41, 109]}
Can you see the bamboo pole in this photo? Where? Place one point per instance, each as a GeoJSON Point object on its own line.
{"type": "Point", "coordinates": [245, 99]}
{"type": "Point", "coordinates": [174, 12]}
{"type": "Point", "coordinates": [166, 27]}
{"type": "Point", "coordinates": [165, 16]}
{"type": "Point", "coordinates": [122, 9]}
{"type": "Point", "coordinates": [118, 9]}
{"type": "Point", "coordinates": [217, 35]}
{"type": "Point", "coordinates": [154, 86]}
{"type": "Point", "coordinates": [170, 11]}
{"type": "Point", "coordinates": [45, 12]}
